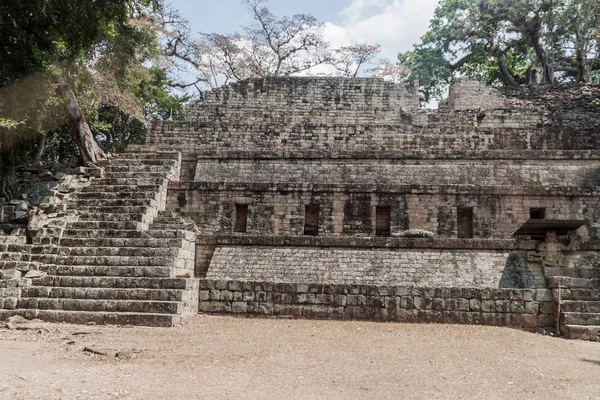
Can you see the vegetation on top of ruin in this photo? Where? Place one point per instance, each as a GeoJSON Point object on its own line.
{"type": "Point", "coordinates": [80, 79]}
{"type": "Point", "coordinates": [508, 43]}
{"type": "Point", "coordinates": [84, 79]}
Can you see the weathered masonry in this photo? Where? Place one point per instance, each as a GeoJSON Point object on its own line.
{"type": "Point", "coordinates": [341, 198]}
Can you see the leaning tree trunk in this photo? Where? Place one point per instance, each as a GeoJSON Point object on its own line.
{"type": "Point", "coordinates": [7, 164]}
{"type": "Point", "coordinates": [504, 71]}
{"type": "Point", "coordinates": [39, 151]}
{"type": "Point", "coordinates": [89, 151]}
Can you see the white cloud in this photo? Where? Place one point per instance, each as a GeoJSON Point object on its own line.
{"type": "Point", "coordinates": [395, 24]}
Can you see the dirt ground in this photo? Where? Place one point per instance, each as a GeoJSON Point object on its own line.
{"type": "Point", "coordinates": [229, 358]}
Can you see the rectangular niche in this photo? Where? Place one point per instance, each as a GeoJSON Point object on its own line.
{"type": "Point", "coordinates": [241, 218]}
{"type": "Point", "coordinates": [537, 213]}
{"type": "Point", "coordinates": [311, 220]}
{"type": "Point", "coordinates": [464, 222]}
{"type": "Point", "coordinates": [382, 221]}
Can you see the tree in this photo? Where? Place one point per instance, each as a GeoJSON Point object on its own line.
{"type": "Point", "coordinates": [90, 53]}
{"type": "Point", "coordinates": [507, 42]}
{"type": "Point", "coordinates": [274, 46]}
{"type": "Point", "coordinates": [350, 59]}
{"type": "Point", "coordinates": [44, 36]}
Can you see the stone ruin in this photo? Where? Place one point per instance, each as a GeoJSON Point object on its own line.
{"type": "Point", "coordinates": [333, 198]}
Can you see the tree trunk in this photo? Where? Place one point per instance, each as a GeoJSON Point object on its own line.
{"type": "Point", "coordinates": [90, 154]}
{"type": "Point", "coordinates": [39, 151]}
{"type": "Point", "coordinates": [583, 70]}
{"type": "Point", "coordinates": [542, 58]}
{"type": "Point", "coordinates": [7, 164]}
{"type": "Point", "coordinates": [505, 72]}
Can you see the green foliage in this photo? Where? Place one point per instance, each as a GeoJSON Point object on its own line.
{"type": "Point", "coordinates": [507, 43]}
{"type": "Point", "coordinates": [111, 63]}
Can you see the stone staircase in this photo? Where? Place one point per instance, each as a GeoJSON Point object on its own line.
{"type": "Point", "coordinates": [579, 306]}
{"type": "Point", "coordinates": [120, 260]}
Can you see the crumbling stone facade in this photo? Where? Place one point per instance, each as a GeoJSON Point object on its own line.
{"type": "Point", "coordinates": [348, 184]}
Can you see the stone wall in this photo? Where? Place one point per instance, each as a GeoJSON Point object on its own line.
{"type": "Point", "coordinates": [386, 174]}
{"type": "Point", "coordinates": [520, 308]}
{"type": "Point", "coordinates": [370, 114]}
{"type": "Point", "coordinates": [350, 211]}
{"type": "Point", "coordinates": [469, 94]}
{"type": "Point", "coordinates": [303, 98]}
{"type": "Point", "coordinates": [421, 268]}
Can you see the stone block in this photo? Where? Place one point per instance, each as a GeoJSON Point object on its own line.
{"type": "Point", "coordinates": [488, 306]}
{"type": "Point", "coordinates": [239, 307]}
{"type": "Point", "coordinates": [474, 305]}
{"type": "Point", "coordinates": [531, 307]}
{"type": "Point", "coordinates": [546, 307]}
{"type": "Point", "coordinates": [543, 295]}
{"type": "Point", "coordinates": [234, 285]}
{"type": "Point", "coordinates": [356, 300]}
{"type": "Point", "coordinates": [463, 305]}
{"type": "Point", "coordinates": [438, 304]}
{"type": "Point", "coordinates": [517, 307]}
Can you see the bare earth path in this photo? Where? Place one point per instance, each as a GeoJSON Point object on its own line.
{"type": "Point", "coordinates": [227, 358]}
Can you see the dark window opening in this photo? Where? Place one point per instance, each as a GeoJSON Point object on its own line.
{"type": "Point", "coordinates": [480, 118]}
{"type": "Point", "coordinates": [241, 218]}
{"type": "Point", "coordinates": [382, 221]}
{"type": "Point", "coordinates": [311, 220]}
{"type": "Point", "coordinates": [537, 213]}
{"type": "Point", "coordinates": [465, 222]}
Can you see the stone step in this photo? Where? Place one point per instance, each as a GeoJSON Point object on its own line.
{"type": "Point", "coordinates": [117, 251]}
{"type": "Point", "coordinates": [19, 257]}
{"type": "Point", "coordinates": [19, 265]}
{"type": "Point", "coordinates": [112, 271]}
{"type": "Point", "coordinates": [107, 225]}
{"type": "Point", "coordinates": [582, 332]}
{"type": "Point", "coordinates": [130, 306]}
{"type": "Point", "coordinates": [182, 226]}
{"type": "Point", "coordinates": [128, 162]}
{"type": "Point", "coordinates": [580, 318]}
{"type": "Point", "coordinates": [154, 261]}
{"type": "Point", "coordinates": [135, 182]}
{"type": "Point", "coordinates": [117, 282]}
{"type": "Point", "coordinates": [102, 187]}
{"type": "Point", "coordinates": [577, 294]}
{"type": "Point", "coordinates": [88, 204]}
{"type": "Point", "coordinates": [121, 242]}
{"type": "Point", "coordinates": [580, 306]}
{"type": "Point", "coordinates": [137, 168]}
{"type": "Point", "coordinates": [127, 195]}
{"type": "Point", "coordinates": [573, 283]}
{"type": "Point", "coordinates": [105, 209]}
{"type": "Point", "coordinates": [169, 220]}
{"type": "Point", "coordinates": [138, 294]}
{"type": "Point", "coordinates": [99, 318]}
{"type": "Point", "coordinates": [159, 175]}
{"type": "Point", "coordinates": [124, 217]}
{"type": "Point", "coordinates": [126, 234]}
{"type": "Point", "coordinates": [167, 155]}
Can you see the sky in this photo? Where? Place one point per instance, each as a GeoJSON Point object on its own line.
{"type": "Point", "coordinates": [395, 24]}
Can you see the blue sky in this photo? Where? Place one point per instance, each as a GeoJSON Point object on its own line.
{"type": "Point", "coordinates": [226, 16]}
{"type": "Point", "coordinates": [395, 24]}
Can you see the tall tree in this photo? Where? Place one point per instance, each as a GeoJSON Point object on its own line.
{"type": "Point", "coordinates": [273, 46]}
{"type": "Point", "coordinates": [507, 42]}
{"type": "Point", "coordinates": [92, 53]}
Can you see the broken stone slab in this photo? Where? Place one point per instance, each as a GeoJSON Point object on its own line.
{"type": "Point", "coordinates": [414, 233]}
{"type": "Point", "coordinates": [19, 216]}
{"type": "Point", "coordinates": [20, 205]}
{"type": "Point", "coordinates": [33, 274]}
